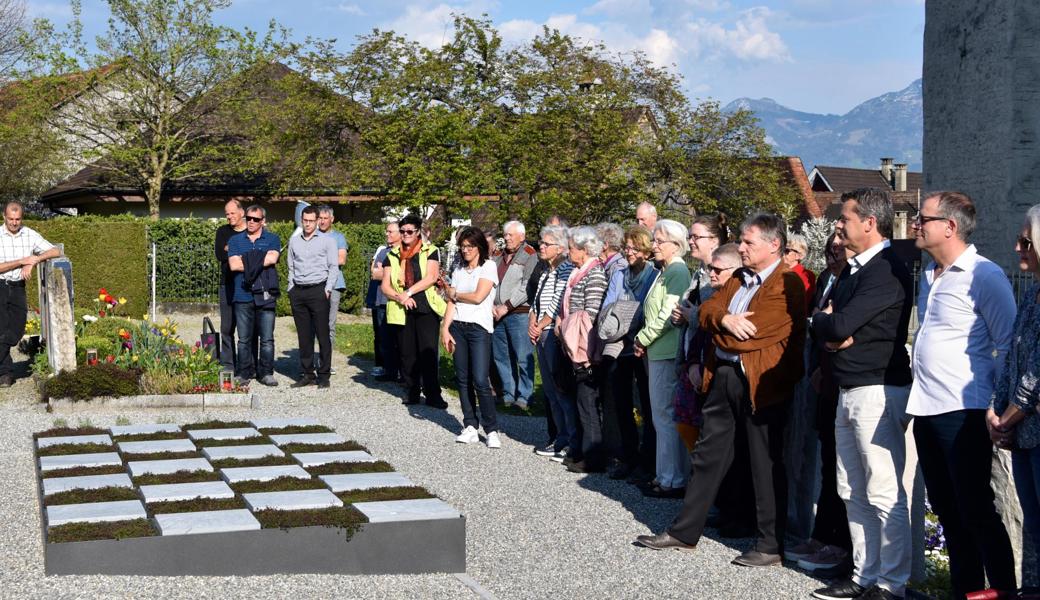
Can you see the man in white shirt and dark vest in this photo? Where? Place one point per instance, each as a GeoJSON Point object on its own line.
{"type": "Point", "coordinates": [21, 248]}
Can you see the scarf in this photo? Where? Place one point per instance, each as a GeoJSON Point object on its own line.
{"type": "Point", "coordinates": [576, 276]}
{"type": "Point", "coordinates": [407, 254]}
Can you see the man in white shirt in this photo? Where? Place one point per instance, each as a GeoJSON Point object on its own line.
{"type": "Point", "coordinates": [967, 312]}
{"type": "Point", "coordinates": [21, 248]}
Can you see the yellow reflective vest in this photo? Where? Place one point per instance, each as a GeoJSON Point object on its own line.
{"type": "Point", "coordinates": [395, 313]}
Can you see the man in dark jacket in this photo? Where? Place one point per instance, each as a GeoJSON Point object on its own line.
{"type": "Point", "coordinates": [252, 256]}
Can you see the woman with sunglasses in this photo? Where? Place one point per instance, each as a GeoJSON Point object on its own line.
{"type": "Point", "coordinates": [466, 334]}
{"type": "Point", "coordinates": [414, 304]}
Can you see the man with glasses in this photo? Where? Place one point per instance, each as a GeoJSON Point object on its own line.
{"type": "Point", "coordinates": [967, 312]}
{"type": "Point", "coordinates": [313, 269]}
{"type": "Point", "coordinates": [252, 256]}
{"type": "Point", "coordinates": [511, 347]}
{"type": "Point", "coordinates": [864, 327]}
{"type": "Point", "coordinates": [236, 223]}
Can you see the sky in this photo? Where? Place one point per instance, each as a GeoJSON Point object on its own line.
{"type": "Point", "coordinates": [823, 56]}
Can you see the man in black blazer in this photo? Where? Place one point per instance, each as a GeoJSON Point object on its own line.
{"type": "Point", "coordinates": [865, 326]}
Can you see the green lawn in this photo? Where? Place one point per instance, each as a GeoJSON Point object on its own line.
{"type": "Point", "coordinates": [355, 339]}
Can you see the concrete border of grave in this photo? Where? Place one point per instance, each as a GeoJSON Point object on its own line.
{"type": "Point", "coordinates": [199, 401]}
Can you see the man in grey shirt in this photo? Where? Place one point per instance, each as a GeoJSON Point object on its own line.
{"type": "Point", "coordinates": [313, 270]}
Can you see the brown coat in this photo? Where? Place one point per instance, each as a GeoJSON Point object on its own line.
{"type": "Point", "coordinates": [772, 359]}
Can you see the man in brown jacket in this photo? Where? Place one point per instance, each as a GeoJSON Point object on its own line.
{"type": "Point", "coordinates": [757, 323]}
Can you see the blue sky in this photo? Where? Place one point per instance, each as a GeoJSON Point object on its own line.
{"type": "Point", "coordinates": [811, 55]}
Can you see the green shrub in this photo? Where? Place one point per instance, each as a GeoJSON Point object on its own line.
{"type": "Point", "coordinates": [161, 382]}
{"type": "Point", "coordinates": [105, 346]}
{"type": "Point", "coordinates": [90, 381]}
{"type": "Point", "coordinates": [107, 327]}
{"type": "Point", "coordinates": [113, 530]}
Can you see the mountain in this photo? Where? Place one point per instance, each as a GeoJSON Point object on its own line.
{"type": "Point", "coordinates": [890, 125]}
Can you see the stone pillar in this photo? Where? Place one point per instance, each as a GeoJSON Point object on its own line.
{"type": "Point", "coordinates": [58, 314]}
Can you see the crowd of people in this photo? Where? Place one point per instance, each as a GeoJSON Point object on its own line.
{"type": "Point", "coordinates": [715, 355]}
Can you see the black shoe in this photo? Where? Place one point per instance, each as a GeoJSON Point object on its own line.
{"type": "Point", "coordinates": [548, 450]}
{"type": "Point", "coordinates": [269, 381]}
{"type": "Point", "coordinates": [620, 471]}
{"type": "Point", "coordinates": [583, 467]}
{"type": "Point", "coordinates": [323, 384]}
{"type": "Point", "coordinates": [840, 590]}
{"type": "Point", "coordinates": [6, 381]}
{"type": "Point", "coordinates": [663, 541]}
{"type": "Point", "coordinates": [409, 401]}
{"type": "Point", "coordinates": [303, 382]}
{"type": "Point", "coordinates": [659, 491]}
{"type": "Point", "coordinates": [437, 404]}
{"type": "Point", "coordinates": [754, 558]}
{"type": "Point", "coordinates": [877, 593]}
{"type": "Point", "coordinates": [640, 476]}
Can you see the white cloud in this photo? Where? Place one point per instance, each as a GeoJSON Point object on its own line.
{"type": "Point", "coordinates": [748, 40]}
{"type": "Point", "coordinates": [351, 9]}
{"type": "Point", "coordinates": [658, 45]}
{"type": "Point", "coordinates": [431, 25]}
{"type": "Point", "coordinates": [708, 5]}
{"type": "Point", "coordinates": [619, 8]}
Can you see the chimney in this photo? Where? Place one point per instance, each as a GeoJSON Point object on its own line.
{"type": "Point", "coordinates": [886, 170]}
{"type": "Point", "coordinates": [900, 177]}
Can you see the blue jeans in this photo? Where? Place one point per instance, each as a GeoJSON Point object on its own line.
{"type": "Point", "coordinates": [1025, 464]}
{"type": "Point", "coordinates": [564, 409]}
{"type": "Point", "coordinates": [472, 361]}
{"type": "Point", "coordinates": [514, 358]}
{"type": "Point", "coordinates": [246, 314]}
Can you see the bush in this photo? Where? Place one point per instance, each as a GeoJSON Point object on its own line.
{"type": "Point", "coordinates": [105, 346]}
{"type": "Point", "coordinates": [90, 381]}
{"type": "Point", "coordinates": [107, 327]}
{"type": "Point", "coordinates": [161, 382]}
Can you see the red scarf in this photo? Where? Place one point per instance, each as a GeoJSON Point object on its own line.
{"type": "Point", "coordinates": [407, 254]}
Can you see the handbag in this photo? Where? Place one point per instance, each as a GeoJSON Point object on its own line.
{"type": "Point", "coordinates": [619, 319]}
{"type": "Point", "coordinates": [210, 339]}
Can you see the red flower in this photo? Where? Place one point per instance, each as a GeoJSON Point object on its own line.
{"type": "Point", "coordinates": [102, 292]}
{"type": "Point", "coordinates": [110, 359]}
{"type": "Point", "coordinates": [101, 313]}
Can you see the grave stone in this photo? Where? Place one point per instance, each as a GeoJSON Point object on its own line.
{"type": "Point", "coordinates": [212, 521]}
{"type": "Point", "coordinates": [242, 452]}
{"type": "Point", "coordinates": [165, 467]}
{"type": "Point", "coordinates": [365, 481]}
{"type": "Point", "coordinates": [280, 423]}
{"type": "Point", "coordinates": [292, 500]}
{"type": "Point", "coordinates": [57, 320]}
{"type": "Point", "coordinates": [407, 510]}
{"type": "Point", "coordinates": [153, 446]}
{"type": "Point", "coordinates": [172, 492]}
{"type": "Point", "coordinates": [308, 438]}
{"type": "Point", "coordinates": [86, 482]}
{"type": "Point", "coordinates": [314, 459]}
{"type": "Point", "coordinates": [69, 461]}
{"type": "Point", "coordinates": [95, 512]}
{"type": "Point", "coordinates": [238, 474]}
{"type": "Point", "coordinates": [238, 433]}
{"type": "Point", "coordinates": [47, 442]}
{"type": "Point", "coordinates": [144, 429]}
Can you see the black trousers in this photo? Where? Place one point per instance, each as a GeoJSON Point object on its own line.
{"type": "Point", "coordinates": [831, 525]}
{"type": "Point", "coordinates": [586, 395]}
{"type": "Point", "coordinates": [620, 434]}
{"type": "Point", "coordinates": [12, 323]}
{"type": "Point", "coordinates": [417, 343]}
{"type": "Point", "coordinates": [955, 454]}
{"type": "Point", "coordinates": [726, 404]}
{"type": "Point", "coordinates": [310, 310]}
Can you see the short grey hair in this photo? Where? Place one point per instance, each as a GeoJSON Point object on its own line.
{"type": "Point", "coordinates": [257, 208]}
{"type": "Point", "coordinates": [1033, 224]}
{"type": "Point", "coordinates": [325, 209]}
{"type": "Point", "coordinates": [649, 207]}
{"type": "Point", "coordinates": [556, 233]}
{"type": "Point", "coordinates": [727, 253]}
{"type": "Point", "coordinates": [585, 238]}
{"type": "Point", "coordinates": [874, 202]}
{"type": "Point", "coordinates": [517, 225]}
{"type": "Point", "coordinates": [958, 207]}
{"type": "Point", "coordinates": [675, 232]}
{"type": "Point", "coordinates": [611, 234]}
{"type": "Point", "coordinates": [770, 226]}
{"type": "Point", "coordinates": [798, 241]}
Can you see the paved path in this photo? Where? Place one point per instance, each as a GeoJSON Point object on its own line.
{"type": "Point", "coordinates": [533, 529]}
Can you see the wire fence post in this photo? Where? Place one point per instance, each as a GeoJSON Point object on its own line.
{"type": "Point", "coordinates": [153, 280]}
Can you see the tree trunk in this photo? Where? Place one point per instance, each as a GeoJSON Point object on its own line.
{"type": "Point", "coordinates": [153, 194]}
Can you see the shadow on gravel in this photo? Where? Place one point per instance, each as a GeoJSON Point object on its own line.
{"type": "Point", "coordinates": [435, 415]}
{"type": "Point", "coordinates": [287, 363]}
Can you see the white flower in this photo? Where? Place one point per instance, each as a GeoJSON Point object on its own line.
{"type": "Point", "coordinates": [89, 318]}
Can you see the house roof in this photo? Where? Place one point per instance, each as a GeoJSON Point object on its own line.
{"type": "Point", "coordinates": [830, 202]}
{"type": "Point", "coordinates": [794, 173]}
{"type": "Point", "coordinates": [846, 179]}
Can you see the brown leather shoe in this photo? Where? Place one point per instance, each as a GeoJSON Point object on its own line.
{"type": "Point", "coordinates": [663, 541]}
{"type": "Point", "coordinates": [754, 558]}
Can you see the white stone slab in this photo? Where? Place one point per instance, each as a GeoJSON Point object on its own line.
{"type": "Point", "coordinates": [280, 423]}
{"type": "Point", "coordinates": [242, 452]}
{"type": "Point", "coordinates": [365, 481]}
{"type": "Point", "coordinates": [308, 438]}
{"type": "Point", "coordinates": [152, 446]}
{"type": "Point", "coordinates": [263, 473]}
{"type": "Point", "coordinates": [144, 429]}
{"type": "Point", "coordinates": [45, 442]}
{"type": "Point", "coordinates": [70, 461]}
{"type": "Point", "coordinates": [165, 467]}
{"type": "Point", "coordinates": [210, 521]}
{"type": "Point", "coordinates": [314, 459]}
{"type": "Point", "coordinates": [95, 512]}
{"type": "Point", "coordinates": [293, 500]}
{"type": "Point", "coordinates": [86, 482]}
{"type": "Point", "coordinates": [407, 510]}
{"type": "Point", "coordinates": [172, 492]}
{"type": "Point", "coordinates": [237, 433]}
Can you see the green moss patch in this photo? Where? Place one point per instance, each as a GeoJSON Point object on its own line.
{"type": "Point", "coordinates": [282, 484]}
{"type": "Point", "coordinates": [349, 446]}
{"type": "Point", "coordinates": [298, 429]}
{"type": "Point", "coordinates": [151, 437]}
{"type": "Point", "coordinates": [178, 477]}
{"type": "Point", "coordinates": [344, 517]}
{"type": "Point", "coordinates": [105, 494]}
{"type": "Point", "coordinates": [162, 456]}
{"type": "Point", "coordinates": [253, 441]}
{"type": "Point", "coordinates": [383, 494]}
{"type": "Point", "coordinates": [66, 449]}
{"type": "Point", "coordinates": [84, 471]}
{"type": "Point", "coordinates": [67, 431]}
{"type": "Point", "coordinates": [215, 424]}
{"type": "Point", "coordinates": [347, 468]}
{"type": "Point", "coordinates": [267, 461]}
{"type": "Point", "coordinates": [196, 505]}
{"type": "Point", "coordinates": [115, 530]}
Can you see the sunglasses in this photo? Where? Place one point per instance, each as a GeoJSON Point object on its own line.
{"type": "Point", "coordinates": [719, 270]}
{"type": "Point", "coordinates": [255, 219]}
{"type": "Point", "coordinates": [408, 231]}
{"type": "Point", "coordinates": [920, 220]}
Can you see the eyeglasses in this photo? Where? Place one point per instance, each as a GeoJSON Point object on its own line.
{"type": "Point", "coordinates": [408, 231]}
{"type": "Point", "coordinates": [719, 270]}
{"type": "Point", "coordinates": [254, 219]}
{"type": "Point", "coordinates": [632, 249]}
{"type": "Point", "coordinates": [792, 250]}
{"type": "Point", "coordinates": [657, 242]}
{"type": "Point", "coordinates": [466, 246]}
{"type": "Point", "coordinates": [1025, 243]}
{"type": "Point", "coordinates": [921, 220]}
{"type": "Point", "coordinates": [701, 237]}
{"type": "Point", "coordinates": [309, 220]}
{"type": "Point", "coordinates": [546, 244]}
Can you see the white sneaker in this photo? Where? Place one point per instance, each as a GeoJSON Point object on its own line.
{"type": "Point", "coordinates": [521, 404]}
{"type": "Point", "coordinates": [492, 440]}
{"type": "Point", "coordinates": [468, 436]}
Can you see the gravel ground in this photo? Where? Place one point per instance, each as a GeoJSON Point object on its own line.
{"type": "Point", "coordinates": [533, 529]}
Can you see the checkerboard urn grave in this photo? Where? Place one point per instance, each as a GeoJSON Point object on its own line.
{"type": "Point", "coordinates": [254, 508]}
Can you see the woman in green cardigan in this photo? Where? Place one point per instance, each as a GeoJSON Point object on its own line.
{"type": "Point", "coordinates": [658, 340]}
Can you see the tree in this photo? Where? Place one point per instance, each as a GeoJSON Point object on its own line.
{"type": "Point", "coordinates": [157, 94]}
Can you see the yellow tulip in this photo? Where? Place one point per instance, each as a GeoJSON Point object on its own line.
{"type": "Point", "coordinates": [122, 300]}
{"type": "Point", "coordinates": [144, 316]}
{"type": "Point", "coordinates": [164, 331]}
{"type": "Point", "coordinates": [101, 297]}
{"type": "Point", "coordinates": [135, 358]}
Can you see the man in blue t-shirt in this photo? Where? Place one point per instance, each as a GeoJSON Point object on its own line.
{"type": "Point", "coordinates": [252, 256]}
{"type": "Point", "coordinates": [325, 220]}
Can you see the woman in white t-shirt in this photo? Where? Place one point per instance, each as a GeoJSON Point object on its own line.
{"type": "Point", "coordinates": [466, 333]}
